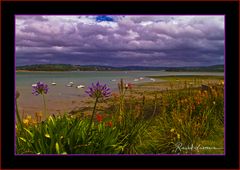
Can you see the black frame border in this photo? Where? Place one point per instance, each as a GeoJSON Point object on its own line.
{"type": "Point", "coordinates": [229, 9]}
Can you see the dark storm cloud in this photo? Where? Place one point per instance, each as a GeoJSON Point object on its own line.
{"type": "Point", "coordinates": [120, 40]}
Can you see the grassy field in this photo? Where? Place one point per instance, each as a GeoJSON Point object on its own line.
{"type": "Point", "coordinates": [181, 115]}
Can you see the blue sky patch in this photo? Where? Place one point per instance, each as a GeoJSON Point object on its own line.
{"type": "Point", "coordinates": [104, 18]}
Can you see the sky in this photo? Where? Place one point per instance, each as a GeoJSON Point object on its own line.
{"type": "Point", "coordinates": [120, 40]}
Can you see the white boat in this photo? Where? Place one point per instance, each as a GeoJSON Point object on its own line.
{"type": "Point", "coordinates": [152, 79]}
{"type": "Point", "coordinates": [113, 80]}
{"type": "Point", "coordinates": [136, 80]}
{"type": "Point", "coordinates": [80, 86]}
{"type": "Point", "coordinates": [69, 85]}
{"type": "Point", "coordinates": [34, 85]}
{"type": "Point", "coordinates": [141, 78]}
{"type": "Point", "coordinates": [54, 84]}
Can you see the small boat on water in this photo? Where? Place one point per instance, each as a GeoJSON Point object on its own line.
{"type": "Point", "coordinates": [70, 84]}
{"type": "Point", "coordinates": [114, 80]}
{"type": "Point", "coordinates": [34, 85]}
{"type": "Point", "coordinates": [152, 79]}
{"type": "Point", "coordinates": [136, 80]}
{"type": "Point", "coordinates": [141, 78]}
{"type": "Point", "coordinates": [54, 84]}
{"type": "Point", "coordinates": [80, 86]}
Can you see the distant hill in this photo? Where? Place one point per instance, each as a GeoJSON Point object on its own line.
{"type": "Point", "coordinates": [215, 68]}
{"type": "Point", "coordinates": [47, 67]}
{"type": "Point", "coordinates": [69, 67]}
{"type": "Point", "coordinates": [63, 67]}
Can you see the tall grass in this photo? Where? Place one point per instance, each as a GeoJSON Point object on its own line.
{"type": "Point", "coordinates": [187, 117]}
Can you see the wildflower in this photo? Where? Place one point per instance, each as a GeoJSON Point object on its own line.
{"type": "Point", "coordinates": [47, 135]}
{"type": "Point", "coordinates": [34, 121]}
{"type": "Point", "coordinates": [98, 91]}
{"type": "Point", "coordinates": [40, 88]}
{"type": "Point", "coordinates": [109, 124]}
{"type": "Point", "coordinates": [214, 102]}
{"type": "Point", "coordinates": [178, 136]}
{"type": "Point", "coordinates": [172, 130]}
{"type": "Point", "coordinates": [26, 121]}
{"type": "Point", "coordinates": [29, 117]}
{"type": "Point", "coordinates": [99, 118]}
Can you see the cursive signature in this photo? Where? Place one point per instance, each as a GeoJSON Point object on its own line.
{"type": "Point", "coordinates": [179, 147]}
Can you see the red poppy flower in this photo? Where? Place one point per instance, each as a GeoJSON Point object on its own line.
{"type": "Point", "coordinates": [99, 118]}
{"type": "Point", "coordinates": [109, 124]}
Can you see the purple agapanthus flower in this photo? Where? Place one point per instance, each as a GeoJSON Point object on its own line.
{"type": "Point", "coordinates": [98, 91]}
{"type": "Point", "coordinates": [40, 88]}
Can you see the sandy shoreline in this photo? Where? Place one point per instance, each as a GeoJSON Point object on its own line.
{"type": "Point", "coordinates": [54, 106]}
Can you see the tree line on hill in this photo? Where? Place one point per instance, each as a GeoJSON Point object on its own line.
{"type": "Point", "coordinates": [69, 67]}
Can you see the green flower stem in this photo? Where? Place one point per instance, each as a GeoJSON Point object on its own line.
{"type": "Point", "coordinates": [44, 105]}
{"type": "Point", "coordinates": [121, 108]}
{"type": "Point", "coordinates": [93, 113]}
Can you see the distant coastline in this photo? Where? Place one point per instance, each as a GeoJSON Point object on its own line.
{"type": "Point", "coordinates": [68, 67]}
{"type": "Point", "coordinates": [35, 71]}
